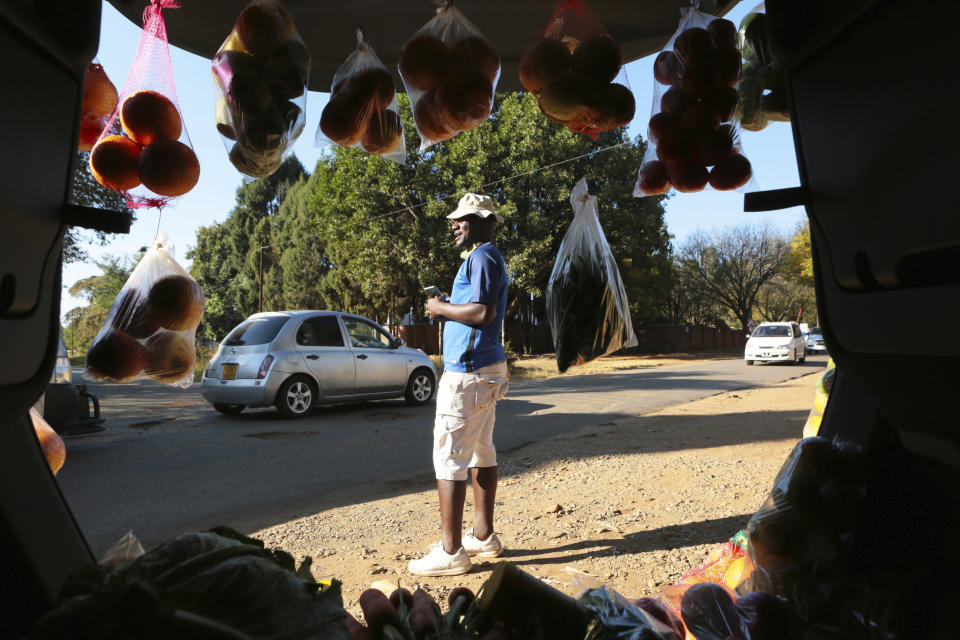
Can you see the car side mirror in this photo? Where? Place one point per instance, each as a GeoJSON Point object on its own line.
{"type": "Point", "coordinates": [398, 342]}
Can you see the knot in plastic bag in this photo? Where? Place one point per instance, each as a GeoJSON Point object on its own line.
{"type": "Point", "coordinates": [157, 6]}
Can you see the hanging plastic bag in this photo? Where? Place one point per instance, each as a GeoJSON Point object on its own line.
{"type": "Point", "coordinates": [713, 612]}
{"type": "Point", "coordinates": [726, 564]}
{"type": "Point", "coordinates": [693, 134]}
{"type": "Point", "coordinates": [144, 152]}
{"type": "Point", "coordinates": [100, 100]}
{"type": "Point", "coordinates": [362, 111]}
{"type": "Point", "coordinates": [260, 76]}
{"type": "Point", "coordinates": [586, 302]}
{"type": "Point", "coordinates": [151, 327]}
{"type": "Point", "coordinates": [575, 69]}
{"type": "Point", "coordinates": [763, 90]}
{"type": "Point", "coordinates": [450, 71]}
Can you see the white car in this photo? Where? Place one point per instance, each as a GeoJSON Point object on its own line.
{"type": "Point", "coordinates": [775, 342]}
{"type": "Point", "coordinates": [815, 343]}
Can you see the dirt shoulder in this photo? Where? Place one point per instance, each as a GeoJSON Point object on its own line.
{"type": "Point", "coordinates": [631, 504]}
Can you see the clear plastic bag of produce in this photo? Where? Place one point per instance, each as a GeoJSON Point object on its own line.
{"type": "Point", "coordinates": [144, 152]}
{"type": "Point", "coordinates": [726, 564]}
{"type": "Point", "coordinates": [613, 617]}
{"type": "Point", "coordinates": [151, 327]}
{"type": "Point", "coordinates": [763, 90]}
{"type": "Point", "coordinates": [575, 68]}
{"type": "Point", "coordinates": [450, 70]}
{"type": "Point", "coordinates": [260, 76]}
{"type": "Point", "coordinates": [100, 99]}
{"type": "Point", "coordinates": [693, 134]}
{"type": "Point", "coordinates": [586, 302]}
{"type": "Point", "coordinates": [362, 111]}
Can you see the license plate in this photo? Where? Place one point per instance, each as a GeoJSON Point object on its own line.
{"type": "Point", "coordinates": [229, 372]}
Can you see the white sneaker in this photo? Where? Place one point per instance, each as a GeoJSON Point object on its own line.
{"type": "Point", "coordinates": [489, 548]}
{"type": "Point", "coordinates": [440, 563]}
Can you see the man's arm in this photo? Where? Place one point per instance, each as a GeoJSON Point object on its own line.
{"type": "Point", "coordinates": [471, 313]}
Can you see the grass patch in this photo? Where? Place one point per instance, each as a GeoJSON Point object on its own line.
{"type": "Point", "coordinates": [78, 361]}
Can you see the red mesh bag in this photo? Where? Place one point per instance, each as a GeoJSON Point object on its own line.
{"type": "Point", "coordinates": [450, 71]}
{"type": "Point", "coordinates": [362, 111]}
{"type": "Point", "coordinates": [260, 76]}
{"type": "Point", "coordinates": [144, 152]}
{"type": "Point", "coordinates": [693, 134]}
{"type": "Point", "coordinates": [152, 324]}
{"type": "Point", "coordinates": [575, 69]}
{"type": "Point", "coordinates": [100, 100]}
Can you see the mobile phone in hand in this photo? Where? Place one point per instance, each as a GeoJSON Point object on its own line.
{"type": "Point", "coordinates": [433, 291]}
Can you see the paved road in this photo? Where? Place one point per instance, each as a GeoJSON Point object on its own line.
{"type": "Point", "coordinates": [169, 463]}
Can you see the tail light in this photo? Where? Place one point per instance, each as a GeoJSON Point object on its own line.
{"type": "Point", "coordinates": [264, 367]}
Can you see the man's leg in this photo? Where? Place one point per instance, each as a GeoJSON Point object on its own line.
{"type": "Point", "coordinates": [452, 495]}
{"type": "Point", "coordinates": [484, 500]}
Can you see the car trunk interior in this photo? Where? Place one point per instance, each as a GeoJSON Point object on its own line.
{"type": "Point", "coordinates": [872, 94]}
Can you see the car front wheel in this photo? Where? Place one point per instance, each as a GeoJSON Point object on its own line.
{"type": "Point", "coordinates": [420, 387]}
{"type": "Point", "coordinates": [295, 397]}
{"type": "Point", "coordinates": [749, 362]}
{"type": "Point", "coordinates": [228, 409]}
{"type": "Point", "coordinates": [803, 358]}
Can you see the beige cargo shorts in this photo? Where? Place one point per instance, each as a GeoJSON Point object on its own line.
{"type": "Point", "coordinates": [466, 411]}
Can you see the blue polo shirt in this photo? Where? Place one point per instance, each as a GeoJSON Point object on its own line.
{"type": "Point", "coordinates": [482, 278]}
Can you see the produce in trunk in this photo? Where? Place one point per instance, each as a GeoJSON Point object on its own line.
{"type": "Point", "coordinates": [116, 356]}
{"type": "Point", "coordinates": [147, 116]}
{"type": "Point", "coordinates": [169, 168]}
{"type": "Point", "coordinates": [115, 163]}
{"type": "Point", "coordinates": [54, 451]}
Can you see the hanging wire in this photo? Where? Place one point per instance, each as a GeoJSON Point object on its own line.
{"type": "Point", "coordinates": [488, 184]}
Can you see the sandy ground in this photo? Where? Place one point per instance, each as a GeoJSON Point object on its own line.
{"type": "Point", "coordinates": [631, 504]}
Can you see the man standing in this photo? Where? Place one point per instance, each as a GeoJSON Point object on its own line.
{"type": "Point", "coordinates": [474, 379]}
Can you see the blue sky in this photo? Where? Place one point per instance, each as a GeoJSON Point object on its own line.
{"type": "Point", "coordinates": [770, 151]}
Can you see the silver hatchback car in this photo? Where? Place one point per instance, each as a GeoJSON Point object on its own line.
{"type": "Point", "coordinates": [298, 359]}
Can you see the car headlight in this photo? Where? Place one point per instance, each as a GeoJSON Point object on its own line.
{"type": "Point", "coordinates": [783, 347]}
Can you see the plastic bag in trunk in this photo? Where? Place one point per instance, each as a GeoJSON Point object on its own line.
{"type": "Point", "coordinates": [144, 152]}
{"type": "Point", "coordinates": [575, 69]}
{"type": "Point", "coordinates": [362, 111]}
{"type": "Point", "coordinates": [151, 327]}
{"type": "Point", "coordinates": [450, 71]}
{"type": "Point", "coordinates": [586, 302]}
{"type": "Point", "coordinates": [260, 75]}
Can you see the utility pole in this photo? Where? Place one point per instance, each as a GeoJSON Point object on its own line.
{"type": "Point", "coordinates": [260, 281]}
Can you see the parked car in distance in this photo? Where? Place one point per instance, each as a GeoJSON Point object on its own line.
{"type": "Point", "coordinates": [299, 359]}
{"type": "Point", "coordinates": [775, 342]}
{"type": "Point", "coordinates": [815, 343]}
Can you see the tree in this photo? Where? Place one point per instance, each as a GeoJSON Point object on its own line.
{"type": "Point", "coordinates": [731, 266]}
{"type": "Point", "coordinates": [790, 295]}
{"type": "Point", "coordinates": [83, 323]}
{"type": "Point", "coordinates": [88, 192]}
{"type": "Point", "coordinates": [386, 230]}
{"type": "Point", "coordinates": [226, 258]}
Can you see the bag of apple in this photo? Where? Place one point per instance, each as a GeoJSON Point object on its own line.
{"type": "Point", "coordinates": [100, 100]}
{"type": "Point", "coordinates": [575, 69]}
{"type": "Point", "coordinates": [144, 152]}
{"type": "Point", "coordinates": [151, 327]}
{"type": "Point", "coordinates": [450, 71]}
{"type": "Point", "coordinates": [693, 134]}
{"type": "Point", "coordinates": [260, 77]}
{"type": "Point", "coordinates": [362, 111]}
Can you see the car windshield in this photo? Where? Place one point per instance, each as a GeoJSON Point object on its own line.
{"type": "Point", "coordinates": [772, 331]}
{"type": "Point", "coordinates": [815, 333]}
{"type": "Point", "coordinates": [255, 331]}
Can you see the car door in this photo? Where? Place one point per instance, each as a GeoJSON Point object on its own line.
{"type": "Point", "coordinates": [380, 366]}
{"type": "Point", "coordinates": [321, 344]}
{"type": "Point", "coordinates": [799, 345]}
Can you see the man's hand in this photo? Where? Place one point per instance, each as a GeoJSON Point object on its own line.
{"type": "Point", "coordinates": [432, 307]}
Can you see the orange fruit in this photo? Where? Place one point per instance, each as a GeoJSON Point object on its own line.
{"type": "Point", "coordinates": [263, 28]}
{"type": "Point", "coordinates": [465, 97]}
{"type": "Point", "coordinates": [430, 119]}
{"type": "Point", "coordinates": [169, 168]}
{"type": "Point", "coordinates": [114, 163]}
{"type": "Point", "coordinates": [652, 178]}
{"type": "Point", "coordinates": [148, 116]}
{"type": "Point", "coordinates": [170, 357]}
{"type": "Point", "coordinates": [384, 133]}
{"type": "Point", "coordinates": [423, 61]}
{"type": "Point", "coordinates": [52, 444]}
{"type": "Point", "coordinates": [175, 302]}
{"type": "Point", "coordinates": [99, 95]}
{"type": "Point", "coordinates": [116, 356]}
{"type": "Point", "coordinates": [476, 52]}
{"type": "Point", "coordinates": [541, 61]}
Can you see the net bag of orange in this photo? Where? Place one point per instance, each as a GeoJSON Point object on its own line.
{"type": "Point", "coordinates": [362, 111]}
{"type": "Point", "coordinates": [151, 327]}
{"type": "Point", "coordinates": [144, 152]}
{"type": "Point", "coordinates": [450, 71]}
{"type": "Point", "coordinates": [693, 133]}
{"type": "Point", "coordinates": [575, 69]}
{"type": "Point", "coordinates": [100, 99]}
{"type": "Point", "coordinates": [260, 76]}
